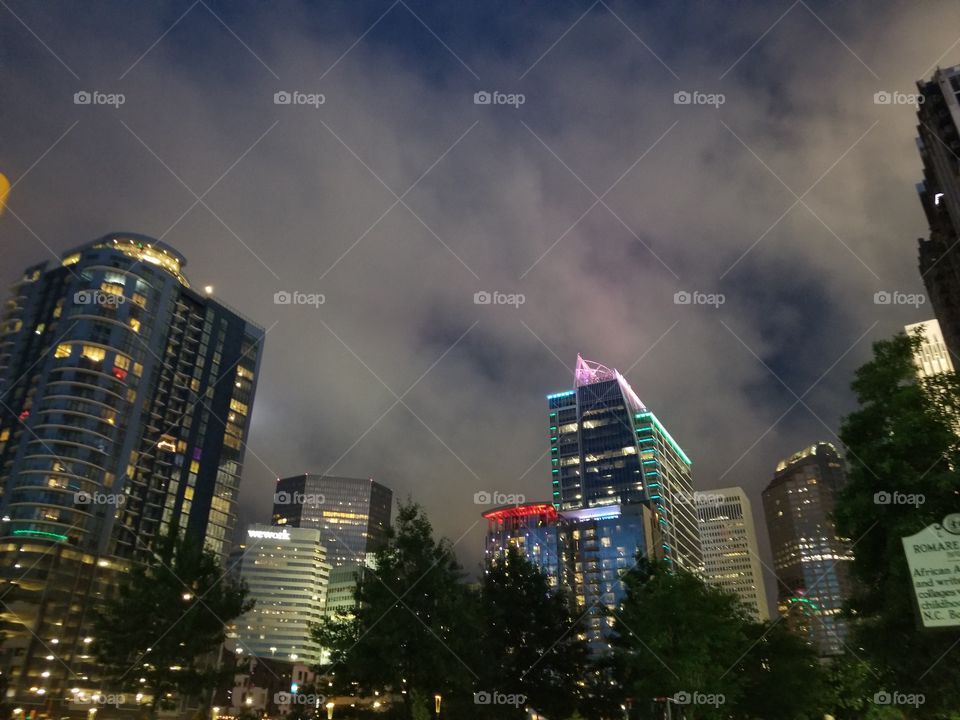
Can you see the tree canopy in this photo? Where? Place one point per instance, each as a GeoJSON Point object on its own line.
{"type": "Point", "coordinates": [165, 622]}
{"type": "Point", "coordinates": [901, 442]}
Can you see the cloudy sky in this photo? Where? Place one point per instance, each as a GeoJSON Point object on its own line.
{"type": "Point", "coordinates": [784, 187]}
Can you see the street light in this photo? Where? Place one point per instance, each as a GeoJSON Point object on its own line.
{"type": "Point", "coordinates": [436, 702]}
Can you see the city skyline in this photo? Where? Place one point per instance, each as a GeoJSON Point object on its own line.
{"type": "Point", "coordinates": [598, 291]}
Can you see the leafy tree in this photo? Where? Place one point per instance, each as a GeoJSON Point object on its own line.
{"type": "Point", "coordinates": [676, 637]}
{"type": "Point", "coordinates": [414, 630]}
{"type": "Point", "coordinates": [674, 634]}
{"type": "Point", "coordinates": [536, 643]}
{"type": "Point", "coordinates": [166, 620]}
{"type": "Point", "coordinates": [782, 676]}
{"type": "Point", "coordinates": [902, 439]}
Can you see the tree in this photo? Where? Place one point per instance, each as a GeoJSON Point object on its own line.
{"type": "Point", "coordinates": [414, 629]}
{"type": "Point", "coordinates": [782, 676]}
{"type": "Point", "coordinates": [530, 631]}
{"type": "Point", "coordinates": [166, 620]}
{"type": "Point", "coordinates": [902, 441]}
{"type": "Point", "coordinates": [678, 638]}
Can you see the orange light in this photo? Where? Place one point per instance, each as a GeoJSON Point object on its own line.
{"type": "Point", "coordinates": [4, 191]}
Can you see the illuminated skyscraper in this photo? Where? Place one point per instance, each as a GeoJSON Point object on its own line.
{"type": "Point", "coordinates": [126, 405]}
{"type": "Point", "coordinates": [353, 515]}
{"type": "Point", "coordinates": [286, 572]}
{"type": "Point", "coordinates": [731, 556]}
{"type": "Point", "coordinates": [811, 560]}
{"type": "Point", "coordinates": [532, 529]}
{"type": "Point", "coordinates": [585, 552]}
{"type": "Point", "coordinates": [932, 357]}
{"type": "Point", "coordinates": [608, 448]}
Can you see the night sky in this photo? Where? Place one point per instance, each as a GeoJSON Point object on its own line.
{"type": "Point", "coordinates": [398, 198]}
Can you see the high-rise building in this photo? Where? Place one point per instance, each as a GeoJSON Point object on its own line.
{"type": "Point", "coordinates": [932, 357]}
{"type": "Point", "coordinates": [621, 491]}
{"type": "Point", "coordinates": [598, 545]}
{"type": "Point", "coordinates": [608, 448]}
{"type": "Point", "coordinates": [353, 515]}
{"type": "Point", "coordinates": [126, 398]}
{"type": "Point", "coordinates": [286, 572]}
{"type": "Point", "coordinates": [938, 140]}
{"type": "Point", "coordinates": [731, 556]}
{"type": "Point", "coordinates": [585, 552]}
{"type": "Point", "coordinates": [811, 560]}
{"type": "Point", "coordinates": [532, 529]}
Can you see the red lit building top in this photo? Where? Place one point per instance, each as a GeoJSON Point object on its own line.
{"type": "Point", "coordinates": [545, 509]}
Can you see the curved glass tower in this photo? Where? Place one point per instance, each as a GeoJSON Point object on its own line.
{"type": "Point", "coordinates": [125, 405]}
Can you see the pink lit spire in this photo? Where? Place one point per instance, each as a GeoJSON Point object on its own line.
{"type": "Point", "coordinates": [588, 373]}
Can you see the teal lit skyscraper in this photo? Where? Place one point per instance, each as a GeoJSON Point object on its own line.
{"type": "Point", "coordinates": [608, 448]}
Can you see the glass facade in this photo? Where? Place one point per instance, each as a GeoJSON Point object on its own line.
{"type": "Point", "coordinates": [811, 561]}
{"type": "Point", "coordinates": [598, 545]}
{"type": "Point", "coordinates": [583, 551]}
{"type": "Point", "coordinates": [353, 515]}
{"type": "Point", "coordinates": [621, 489]}
{"type": "Point", "coordinates": [532, 529]}
{"type": "Point", "coordinates": [607, 448]}
{"type": "Point", "coordinates": [127, 398]}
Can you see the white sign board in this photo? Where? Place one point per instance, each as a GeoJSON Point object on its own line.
{"type": "Point", "coordinates": [933, 556]}
{"type": "Point", "coordinates": [270, 534]}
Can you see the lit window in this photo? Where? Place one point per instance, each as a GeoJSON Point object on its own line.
{"type": "Point", "coordinates": [122, 362]}
{"type": "Point", "coordinates": [134, 324]}
{"type": "Point", "coordinates": [63, 350]}
{"type": "Point", "coordinates": [139, 299]}
{"type": "Point", "coordinates": [94, 353]}
{"type": "Point", "coordinates": [111, 288]}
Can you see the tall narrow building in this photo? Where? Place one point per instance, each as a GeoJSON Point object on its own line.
{"type": "Point", "coordinates": [608, 448]}
{"type": "Point", "coordinates": [811, 560]}
{"type": "Point", "coordinates": [286, 571]}
{"type": "Point", "coordinates": [352, 514]}
{"type": "Point", "coordinates": [731, 556]}
{"type": "Point", "coordinates": [126, 404]}
{"type": "Point", "coordinates": [938, 140]}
